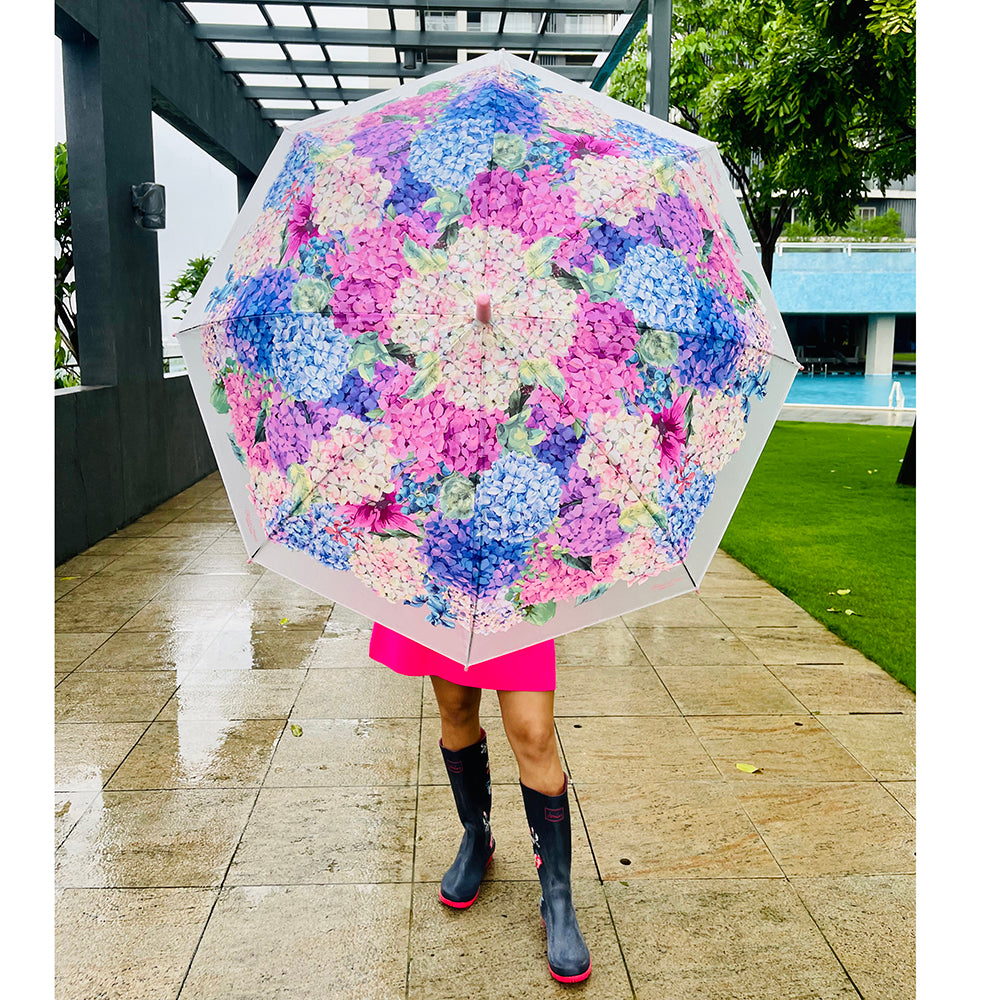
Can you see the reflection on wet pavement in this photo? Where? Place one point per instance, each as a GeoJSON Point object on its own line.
{"type": "Point", "coordinates": [247, 805]}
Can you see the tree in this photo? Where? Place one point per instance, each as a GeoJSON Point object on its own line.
{"type": "Point", "coordinates": [67, 346]}
{"type": "Point", "coordinates": [185, 286]}
{"type": "Point", "coordinates": [808, 100]}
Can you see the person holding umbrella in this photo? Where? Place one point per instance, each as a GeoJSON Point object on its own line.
{"type": "Point", "coordinates": [525, 683]}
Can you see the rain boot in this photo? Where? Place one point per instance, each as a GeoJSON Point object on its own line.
{"type": "Point", "coordinates": [548, 821]}
{"type": "Point", "coordinates": [469, 773]}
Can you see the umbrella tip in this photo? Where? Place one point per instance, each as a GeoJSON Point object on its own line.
{"type": "Point", "coordinates": [484, 310]}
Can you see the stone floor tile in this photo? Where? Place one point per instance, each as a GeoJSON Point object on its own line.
{"type": "Point", "coordinates": [325, 835]}
{"type": "Point", "coordinates": [203, 531]}
{"type": "Point", "coordinates": [358, 693]}
{"type": "Point", "coordinates": [72, 648]}
{"type": "Point", "coordinates": [70, 806]}
{"type": "Point", "coordinates": [242, 649]}
{"type": "Point", "coordinates": [737, 689]}
{"type": "Point", "coordinates": [113, 696]}
{"type": "Point", "coordinates": [208, 587]}
{"type": "Point", "coordinates": [203, 515]}
{"type": "Point", "coordinates": [60, 675]}
{"type": "Point", "coordinates": [234, 694]}
{"type": "Point", "coordinates": [200, 754]}
{"type": "Point", "coordinates": [868, 921]}
{"type": "Point", "coordinates": [757, 611]}
{"type": "Point", "coordinates": [126, 944]}
{"type": "Point", "coordinates": [439, 833]}
{"type": "Point", "coordinates": [609, 690]}
{"type": "Point", "coordinates": [112, 547]}
{"type": "Point", "coordinates": [234, 563]}
{"type": "Point", "coordinates": [784, 747]}
{"type": "Point", "coordinates": [725, 566]}
{"type": "Point", "coordinates": [307, 942]}
{"type": "Point", "coordinates": [724, 585]}
{"type": "Point", "coordinates": [65, 584]}
{"type": "Point", "coordinates": [131, 586]}
{"type": "Point", "coordinates": [684, 611]}
{"type": "Point", "coordinates": [180, 837]}
{"type": "Point", "coordinates": [677, 647]}
{"type": "Point", "coordinates": [799, 644]}
{"type": "Point", "coordinates": [169, 615]}
{"type": "Point", "coordinates": [228, 544]}
{"type": "Point", "coordinates": [884, 744]}
{"type": "Point", "coordinates": [146, 562]}
{"type": "Point", "coordinates": [82, 566]}
{"type": "Point", "coordinates": [87, 753]}
{"type": "Point", "coordinates": [599, 647]}
{"type": "Point", "coordinates": [177, 651]}
{"type": "Point", "coordinates": [839, 690]}
{"type": "Point", "coordinates": [138, 529]}
{"type": "Point", "coordinates": [503, 764]}
{"type": "Point", "coordinates": [496, 949]}
{"type": "Point", "coordinates": [723, 939]}
{"type": "Point", "coordinates": [262, 616]}
{"type": "Point", "coordinates": [274, 588]}
{"type": "Point", "coordinates": [93, 616]}
{"type": "Point", "coordinates": [835, 828]}
{"type": "Point", "coordinates": [347, 752]}
{"type": "Point", "coordinates": [905, 793]}
{"type": "Point", "coordinates": [343, 651]}
{"type": "Point", "coordinates": [633, 750]}
{"type": "Point", "coordinates": [668, 829]}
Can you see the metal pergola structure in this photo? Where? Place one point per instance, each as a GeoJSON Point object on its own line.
{"type": "Point", "coordinates": [296, 58]}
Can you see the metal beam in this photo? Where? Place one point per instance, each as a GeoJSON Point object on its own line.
{"type": "Point", "coordinates": [381, 38]}
{"type": "Point", "coordinates": [534, 6]}
{"type": "Point", "coordinates": [621, 46]}
{"type": "Point", "coordinates": [317, 67]}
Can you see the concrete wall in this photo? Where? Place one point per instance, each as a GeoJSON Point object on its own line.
{"type": "Point", "coordinates": [130, 438]}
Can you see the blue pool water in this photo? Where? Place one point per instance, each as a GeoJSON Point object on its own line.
{"type": "Point", "coordinates": [851, 390]}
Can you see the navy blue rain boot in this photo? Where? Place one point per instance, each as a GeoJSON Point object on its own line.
{"type": "Point", "coordinates": [469, 773]}
{"type": "Point", "coordinates": [548, 820]}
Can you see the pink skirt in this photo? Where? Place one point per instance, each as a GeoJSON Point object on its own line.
{"type": "Point", "coordinates": [531, 669]}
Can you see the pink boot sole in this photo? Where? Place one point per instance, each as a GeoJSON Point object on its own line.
{"type": "Point", "coordinates": [571, 979]}
{"type": "Point", "coordinates": [464, 906]}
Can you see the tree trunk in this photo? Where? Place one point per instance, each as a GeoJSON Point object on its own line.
{"type": "Point", "coordinates": [908, 470]}
{"type": "Point", "coordinates": [767, 258]}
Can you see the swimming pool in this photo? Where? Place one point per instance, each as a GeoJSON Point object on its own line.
{"type": "Point", "coordinates": [851, 390]}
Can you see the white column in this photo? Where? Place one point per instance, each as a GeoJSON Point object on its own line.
{"type": "Point", "coordinates": [878, 353]}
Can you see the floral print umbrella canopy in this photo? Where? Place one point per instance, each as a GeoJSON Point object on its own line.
{"type": "Point", "coordinates": [488, 358]}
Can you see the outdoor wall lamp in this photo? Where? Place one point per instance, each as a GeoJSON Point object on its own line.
{"type": "Point", "coordinates": [149, 205]}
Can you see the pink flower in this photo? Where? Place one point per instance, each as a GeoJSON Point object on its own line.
{"type": "Point", "coordinates": [300, 225]}
{"type": "Point", "coordinates": [379, 515]}
{"type": "Point", "coordinates": [580, 144]}
{"type": "Point", "coordinates": [670, 426]}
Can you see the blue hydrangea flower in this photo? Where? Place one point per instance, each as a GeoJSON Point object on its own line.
{"type": "Point", "coordinates": [298, 172]}
{"type": "Point", "coordinates": [438, 609]}
{"type": "Point", "coordinates": [312, 258]}
{"type": "Point", "coordinates": [656, 285]}
{"type": "Point", "coordinates": [559, 449]}
{"type": "Point", "coordinates": [250, 339]}
{"type": "Point", "coordinates": [683, 510]}
{"type": "Point", "coordinates": [307, 533]}
{"type": "Point", "coordinates": [267, 292]}
{"type": "Point", "coordinates": [450, 154]}
{"type": "Point", "coordinates": [408, 193]}
{"type": "Point", "coordinates": [356, 396]}
{"type": "Point", "coordinates": [611, 242]}
{"type": "Point", "coordinates": [517, 498]}
{"type": "Point", "coordinates": [415, 497]}
{"type": "Point", "coordinates": [459, 556]}
{"type": "Point", "coordinates": [309, 356]}
{"type": "Point", "coordinates": [656, 393]}
{"type": "Point", "coordinates": [511, 111]}
{"type": "Point", "coordinates": [754, 384]}
{"type": "Point", "coordinates": [648, 145]}
{"type": "Point", "coordinates": [708, 354]}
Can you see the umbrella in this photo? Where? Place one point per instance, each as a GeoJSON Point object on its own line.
{"type": "Point", "coordinates": [488, 358]}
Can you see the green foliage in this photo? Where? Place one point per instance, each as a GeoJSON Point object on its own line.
{"type": "Point", "coordinates": [807, 99]}
{"type": "Point", "coordinates": [185, 286]}
{"type": "Point", "coordinates": [882, 227]}
{"type": "Point", "coordinates": [822, 512]}
{"type": "Point", "coordinates": [67, 367]}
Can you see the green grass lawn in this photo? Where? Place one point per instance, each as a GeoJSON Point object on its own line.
{"type": "Point", "coordinates": [822, 513]}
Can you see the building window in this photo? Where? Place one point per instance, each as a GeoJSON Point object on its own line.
{"type": "Point", "coordinates": [582, 24]}
{"type": "Point", "coordinates": [867, 212]}
{"type": "Point", "coordinates": [441, 20]}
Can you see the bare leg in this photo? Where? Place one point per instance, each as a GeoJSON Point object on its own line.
{"type": "Point", "coordinates": [531, 731]}
{"type": "Point", "coordinates": [459, 708]}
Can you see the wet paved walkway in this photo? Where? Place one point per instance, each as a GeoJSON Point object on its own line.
{"type": "Point", "coordinates": [205, 852]}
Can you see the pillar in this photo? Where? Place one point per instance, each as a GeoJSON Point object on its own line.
{"type": "Point", "coordinates": [109, 137]}
{"type": "Point", "coordinates": [658, 26]}
{"type": "Point", "coordinates": [879, 346]}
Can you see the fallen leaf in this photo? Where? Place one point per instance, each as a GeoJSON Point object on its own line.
{"type": "Point", "coordinates": [834, 610]}
{"type": "Point", "coordinates": [69, 578]}
{"type": "Point", "coordinates": [748, 768]}
{"type": "Point", "coordinates": [283, 621]}
{"type": "Point", "coordinates": [843, 592]}
{"type": "Point", "coordinates": [848, 611]}
{"type": "Point", "coordinates": [296, 730]}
